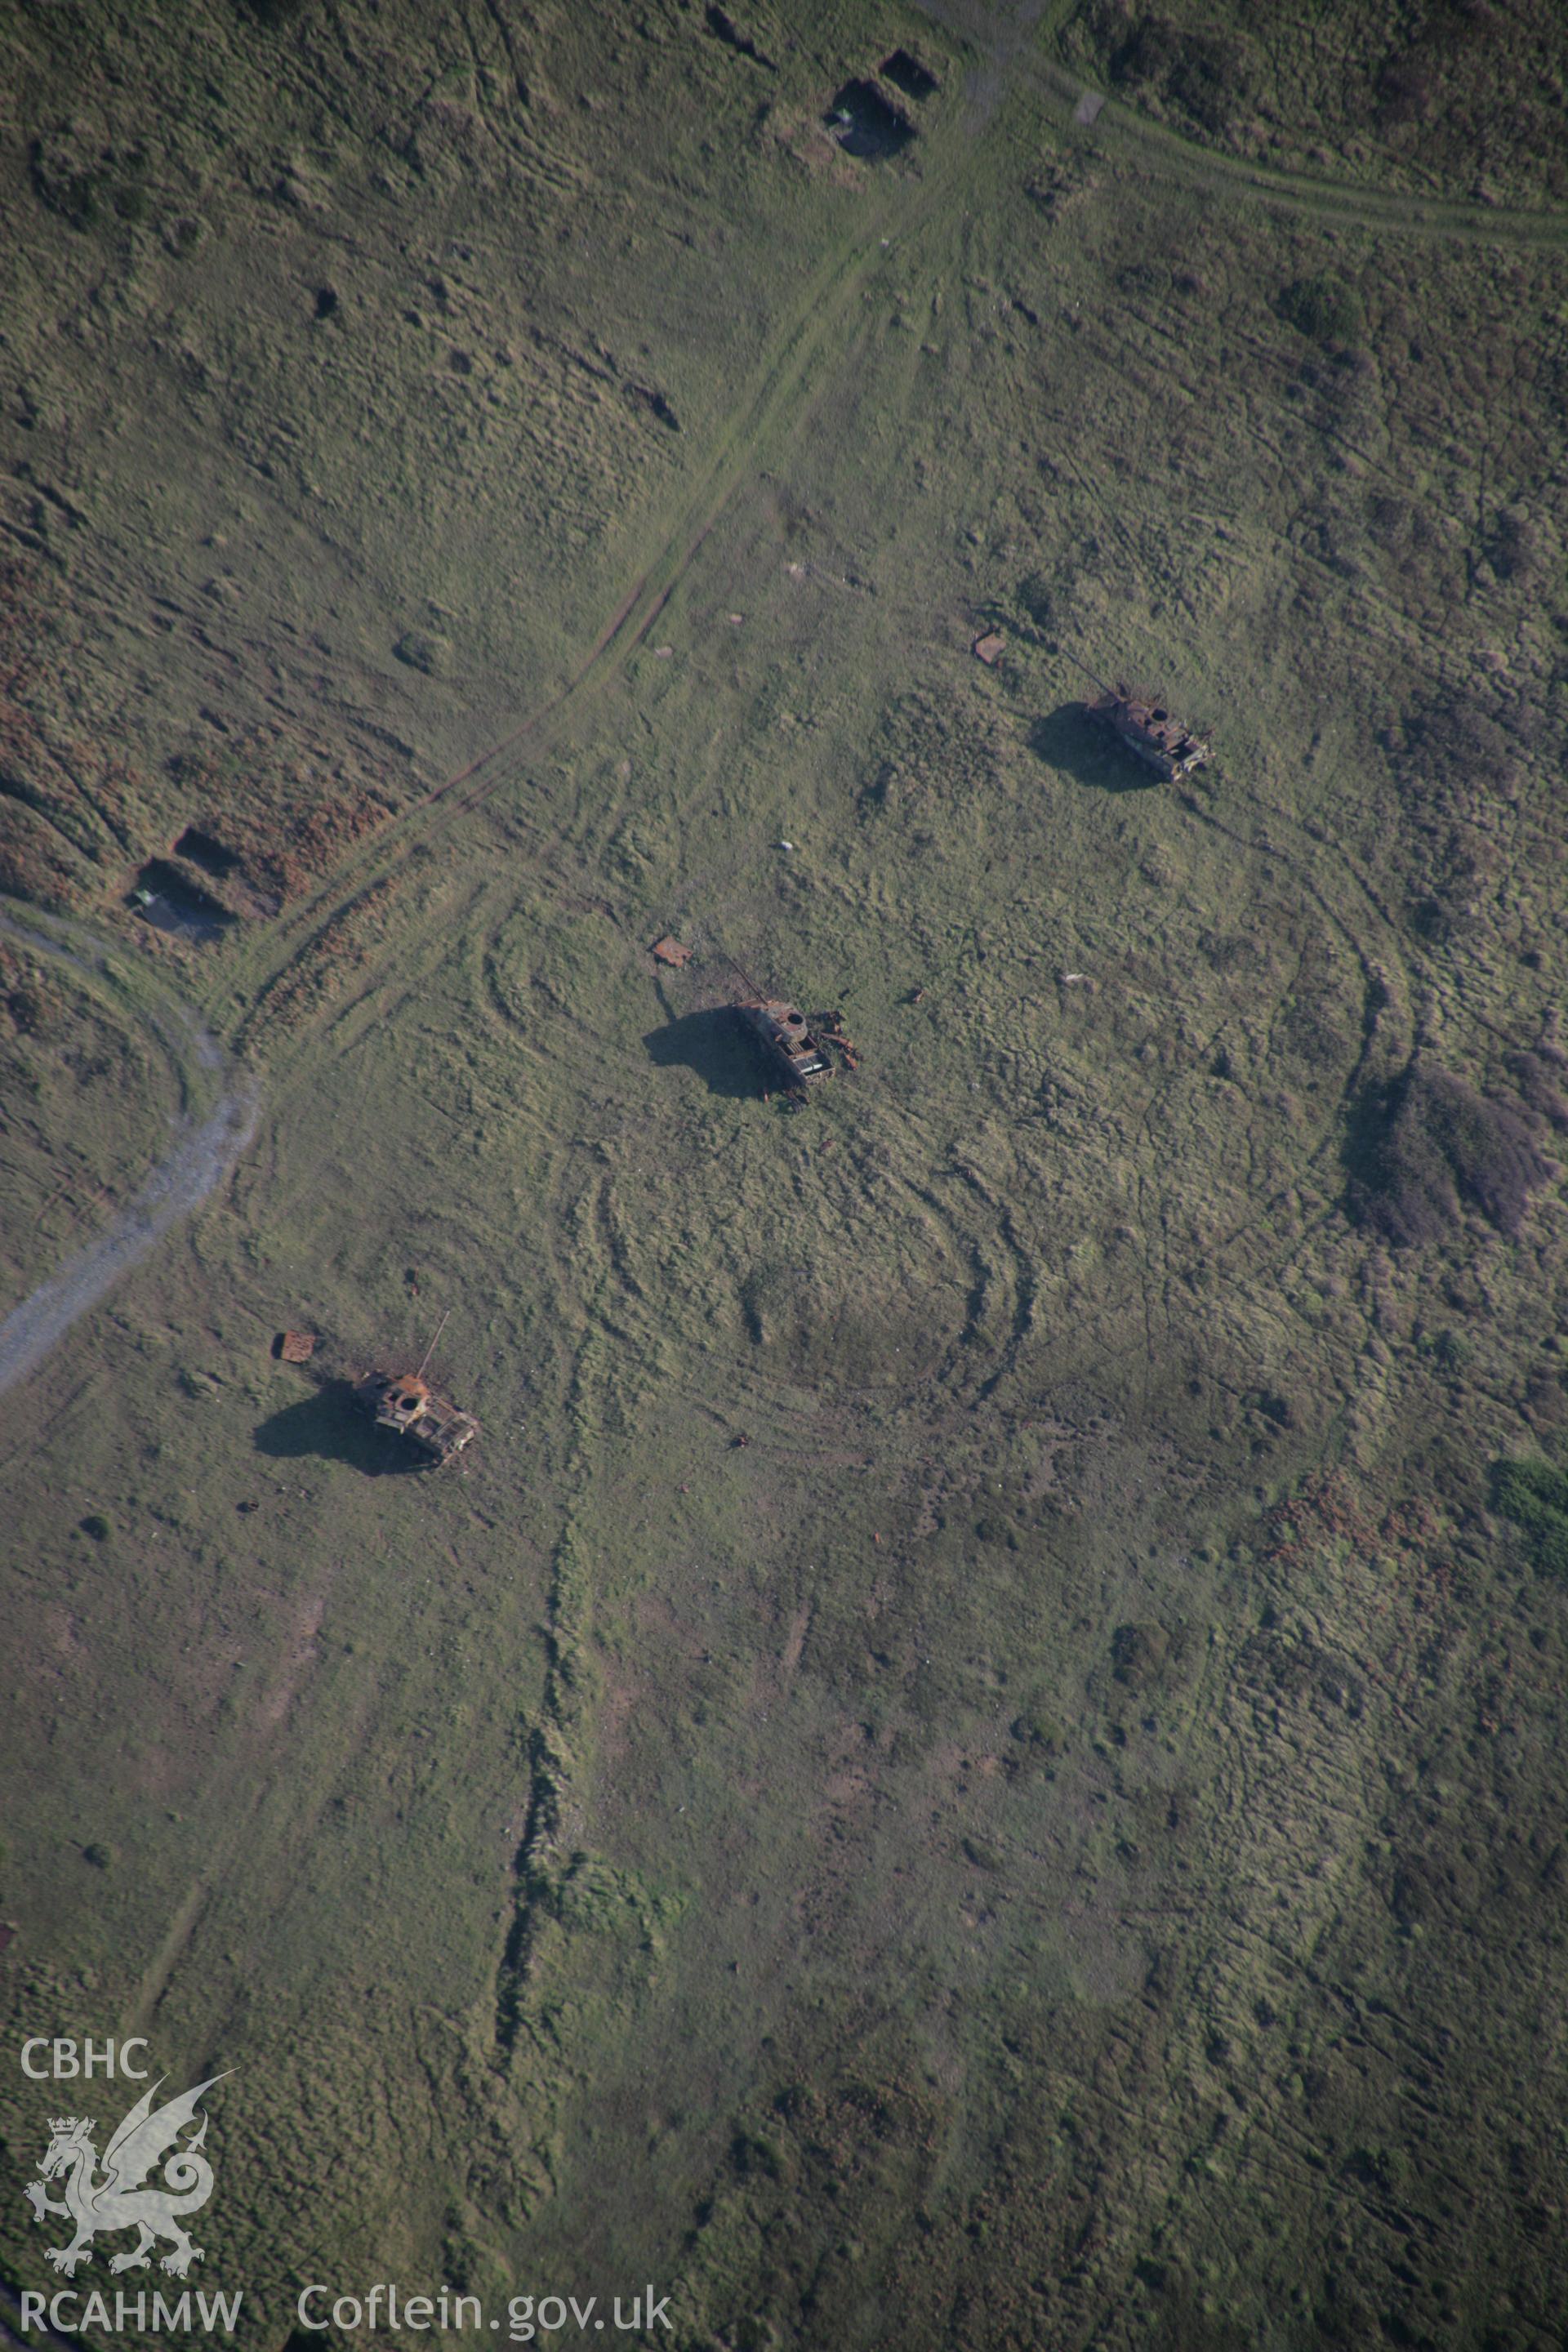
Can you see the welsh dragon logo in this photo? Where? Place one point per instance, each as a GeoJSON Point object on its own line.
{"type": "Point", "coordinates": [115, 2198]}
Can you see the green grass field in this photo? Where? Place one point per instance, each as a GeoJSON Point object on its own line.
{"type": "Point", "coordinates": [974, 1755]}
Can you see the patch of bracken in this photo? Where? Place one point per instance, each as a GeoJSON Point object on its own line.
{"type": "Point", "coordinates": [1204, 74]}
{"type": "Point", "coordinates": [1425, 1148]}
{"type": "Point", "coordinates": [1540, 1077]}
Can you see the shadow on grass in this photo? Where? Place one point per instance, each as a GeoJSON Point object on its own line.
{"type": "Point", "coordinates": [715, 1044]}
{"type": "Point", "coordinates": [328, 1426]}
{"type": "Point", "coordinates": [1084, 749]}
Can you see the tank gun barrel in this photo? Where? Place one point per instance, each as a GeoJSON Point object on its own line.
{"type": "Point", "coordinates": [431, 1348]}
{"type": "Point", "coordinates": [1083, 666]}
{"type": "Point", "coordinates": [740, 968]}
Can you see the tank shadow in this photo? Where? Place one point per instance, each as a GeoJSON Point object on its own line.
{"type": "Point", "coordinates": [715, 1044]}
{"type": "Point", "coordinates": [330, 1427]}
{"type": "Point", "coordinates": [1083, 748]}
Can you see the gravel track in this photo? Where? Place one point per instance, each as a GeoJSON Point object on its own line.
{"type": "Point", "coordinates": [200, 1157]}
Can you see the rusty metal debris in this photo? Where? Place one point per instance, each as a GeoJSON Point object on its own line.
{"type": "Point", "coordinates": [296, 1347]}
{"type": "Point", "coordinates": [989, 648]}
{"type": "Point", "coordinates": [1163, 742]}
{"type": "Point", "coordinates": [669, 950]}
{"type": "Point", "coordinates": [831, 1030]}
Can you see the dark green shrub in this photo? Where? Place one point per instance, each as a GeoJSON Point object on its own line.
{"type": "Point", "coordinates": [1534, 1496]}
{"type": "Point", "coordinates": [1034, 596]}
{"type": "Point", "coordinates": [1324, 308]}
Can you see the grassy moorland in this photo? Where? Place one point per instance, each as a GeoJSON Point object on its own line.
{"type": "Point", "coordinates": [975, 1757]}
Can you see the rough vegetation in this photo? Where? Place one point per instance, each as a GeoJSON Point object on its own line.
{"type": "Point", "coordinates": [1470, 96]}
{"type": "Point", "coordinates": [973, 1757]}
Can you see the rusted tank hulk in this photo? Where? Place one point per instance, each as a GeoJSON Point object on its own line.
{"type": "Point", "coordinates": [785, 1033]}
{"type": "Point", "coordinates": [403, 1401]}
{"type": "Point", "coordinates": [1163, 742]}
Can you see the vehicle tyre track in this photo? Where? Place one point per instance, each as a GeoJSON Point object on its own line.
{"type": "Point", "coordinates": [1012, 41]}
{"type": "Point", "coordinates": [768, 410]}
